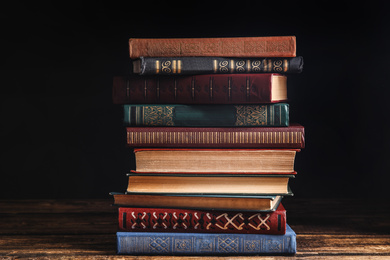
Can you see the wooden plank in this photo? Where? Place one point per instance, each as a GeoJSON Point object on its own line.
{"type": "Point", "coordinates": [54, 246]}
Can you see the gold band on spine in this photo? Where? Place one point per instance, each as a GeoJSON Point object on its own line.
{"type": "Point", "coordinates": [215, 66]}
{"type": "Point", "coordinates": [232, 66]}
{"type": "Point", "coordinates": [157, 66]}
{"type": "Point", "coordinates": [248, 65]}
{"type": "Point", "coordinates": [285, 65]}
{"type": "Point", "coordinates": [265, 65]}
{"type": "Point", "coordinates": [174, 66]}
{"type": "Point", "coordinates": [179, 66]}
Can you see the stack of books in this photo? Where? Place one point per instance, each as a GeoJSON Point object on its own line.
{"type": "Point", "coordinates": [208, 120]}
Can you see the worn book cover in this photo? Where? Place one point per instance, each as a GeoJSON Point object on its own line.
{"type": "Point", "coordinates": [233, 202]}
{"type": "Point", "coordinates": [271, 46]}
{"type": "Point", "coordinates": [169, 243]}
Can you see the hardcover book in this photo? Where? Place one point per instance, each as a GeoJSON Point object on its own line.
{"type": "Point", "coordinates": [264, 184]}
{"type": "Point", "coordinates": [215, 160]}
{"type": "Point", "coordinates": [207, 115]}
{"type": "Point", "coordinates": [202, 221]}
{"type": "Point", "coordinates": [200, 89]}
{"type": "Point", "coordinates": [199, 202]}
{"type": "Point", "coordinates": [291, 137]}
{"type": "Point", "coordinates": [274, 46]}
{"type": "Point", "coordinates": [216, 65]}
{"type": "Point", "coordinates": [163, 243]}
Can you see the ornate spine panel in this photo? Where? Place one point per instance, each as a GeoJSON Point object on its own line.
{"type": "Point", "coordinates": [201, 221]}
{"type": "Point", "coordinates": [216, 65]}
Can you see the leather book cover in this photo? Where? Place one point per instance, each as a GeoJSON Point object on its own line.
{"type": "Point", "coordinates": [200, 89]}
{"type": "Point", "coordinates": [215, 65]}
{"type": "Point", "coordinates": [273, 46]}
{"type": "Point", "coordinates": [276, 114]}
{"type": "Point", "coordinates": [264, 203]}
{"type": "Point", "coordinates": [291, 137]}
{"type": "Point", "coordinates": [202, 221]}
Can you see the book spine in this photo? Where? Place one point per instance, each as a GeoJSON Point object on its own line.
{"type": "Point", "coordinates": [159, 243]}
{"type": "Point", "coordinates": [194, 89]}
{"type": "Point", "coordinates": [216, 65]}
{"type": "Point", "coordinates": [207, 115]}
{"type": "Point", "coordinates": [200, 221]}
{"type": "Point", "coordinates": [221, 137]}
{"type": "Point", "coordinates": [279, 46]}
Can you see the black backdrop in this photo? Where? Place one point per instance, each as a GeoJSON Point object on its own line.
{"type": "Point", "coordinates": [63, 138]}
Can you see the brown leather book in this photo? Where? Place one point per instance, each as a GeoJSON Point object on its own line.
{"type": "Point", "coordinates": [274, 46]}
{"type": "Point", "coordinates": [204, 202]}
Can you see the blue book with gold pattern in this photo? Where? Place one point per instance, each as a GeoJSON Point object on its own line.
{"type": "Point", "coordinates": [276, 114]}
{"type": "Point", "coordinates": [159, 243]}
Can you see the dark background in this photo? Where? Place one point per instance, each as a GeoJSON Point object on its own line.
{"type": "Point", "coordinates": [63, 138]}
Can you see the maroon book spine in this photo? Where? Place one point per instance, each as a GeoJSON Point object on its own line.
{"type": "Point", "coordinates": [201, 221]}
{"type": "Point", "coordinates": [194, 89]}
{"type": "Point", "coordinates": [291, 137]}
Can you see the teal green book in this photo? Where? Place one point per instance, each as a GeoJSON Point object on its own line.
{"type": "Point", "coordinates": [276, 114]}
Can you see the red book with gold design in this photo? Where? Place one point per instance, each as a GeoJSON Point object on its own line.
{"type": "Point", "coordinates": [202, 221]}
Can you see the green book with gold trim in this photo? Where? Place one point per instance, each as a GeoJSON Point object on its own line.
{"type": "Point", "coordinates": [276, 114]}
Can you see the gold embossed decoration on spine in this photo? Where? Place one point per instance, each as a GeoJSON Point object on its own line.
{"type": "Point", "coordinates": [158, 115]}
{"type": "Point", "coordinates": [251, 115]}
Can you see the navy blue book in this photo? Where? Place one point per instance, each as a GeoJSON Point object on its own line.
{"type": "Point", "coordinates": [156, 243]}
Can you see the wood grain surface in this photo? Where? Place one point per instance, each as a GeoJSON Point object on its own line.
{"type": "Point", "coordinates": [85, 229]}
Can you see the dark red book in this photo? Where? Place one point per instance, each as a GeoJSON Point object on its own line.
{"type": "Point", "coordinates": [200, 89]}
{"type": "Point", "coordinates": [291, 137]}
{"type": "Point", "coordinates": [202, 221]}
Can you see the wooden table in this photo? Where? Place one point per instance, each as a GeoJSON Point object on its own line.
{"type": "Point", "coordinates": [341, 228]}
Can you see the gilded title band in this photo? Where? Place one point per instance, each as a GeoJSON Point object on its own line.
{"type": "Point", "coordinates": [168, 67]}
